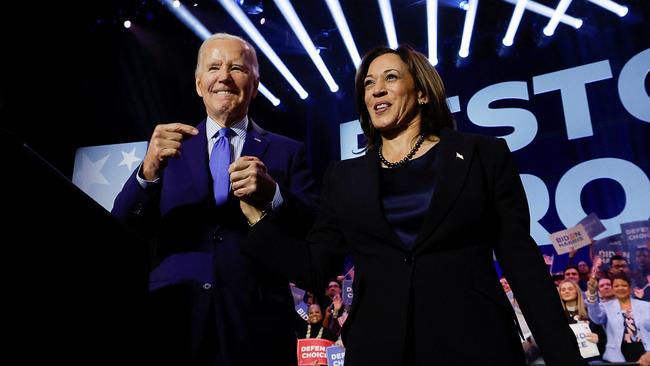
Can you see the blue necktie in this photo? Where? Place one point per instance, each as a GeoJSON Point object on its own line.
{"type": "Point", "coordinates": [219, 162]}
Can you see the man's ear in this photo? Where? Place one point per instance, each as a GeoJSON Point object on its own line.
{"type": "Point", "coordinates": [255, 88]}
{"type": "Point", "coordinates": [197, 84]}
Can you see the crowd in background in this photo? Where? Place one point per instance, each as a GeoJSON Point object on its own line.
{"type": "Point", "coordinates": [612, 298]}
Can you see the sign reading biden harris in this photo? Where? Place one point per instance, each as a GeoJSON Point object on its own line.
{"type": "Point", "coordinates": [572, 84]}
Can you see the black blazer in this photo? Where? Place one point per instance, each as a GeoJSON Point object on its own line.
{"type": "Point", "coordinates": [446, 287]}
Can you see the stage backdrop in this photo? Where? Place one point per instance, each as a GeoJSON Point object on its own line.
{"type": "Point", "coordinates": [574, 107]}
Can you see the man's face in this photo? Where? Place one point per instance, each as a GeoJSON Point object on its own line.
{"type": "Point", "coordinates": [605, 288]}
{"type": "Point", "coordinates": [226, 80]}
{"type": "Point", "coordinates": [618, 266]}
{"type": "Point", "coordinates": [572, 274]}
{"type": "Point", "coordinates": [643, 258]}
{"type": "Point", "coordinates": [583, 268]}
{"type": "Point", "coordinates": [333, 289]}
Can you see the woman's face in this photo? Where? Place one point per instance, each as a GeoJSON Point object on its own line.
{"type": "Point", "coordinates": [568, 292]}
{"type": "Point", "coordinates": [621, 289]}
{"type": "Point", "coordinates": [390, 95]}
{"type": "Point", "coordinates": [315, 315]}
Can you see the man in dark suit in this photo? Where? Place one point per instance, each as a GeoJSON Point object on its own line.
{"type": "Point", "coordinates": [209, 303]}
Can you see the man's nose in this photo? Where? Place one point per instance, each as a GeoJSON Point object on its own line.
{"type": "Point", "coordinates": [223, 75]}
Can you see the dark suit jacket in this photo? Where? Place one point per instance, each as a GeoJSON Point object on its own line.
{"type": "Point", "coordinates": [446, 287]}
{"type": "Point", "coordinates": [208, 302]}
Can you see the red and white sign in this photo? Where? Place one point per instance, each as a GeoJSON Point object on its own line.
{"type": "Point", "coordinates": [313, 351]}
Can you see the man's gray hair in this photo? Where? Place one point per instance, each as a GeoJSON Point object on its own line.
{"type": "Point", "coordinates": [228, 36]}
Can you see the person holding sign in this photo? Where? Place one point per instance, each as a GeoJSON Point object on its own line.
{"type": "Point", "coordinates": [626, 320]}
{"type": "Point", "coordinates": [425, 203]}
{"type": "Point", "coordinates": [314, 327]}
{"type": "Point", "coordinates": [576, 312]}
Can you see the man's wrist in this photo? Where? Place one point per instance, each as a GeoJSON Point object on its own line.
{"type": "Point", "coordinates": [263, 214]}
{"type": "Point", "coordinates": [591, 297]}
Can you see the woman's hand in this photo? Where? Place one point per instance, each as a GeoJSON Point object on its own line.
{"type": "Point", "coordinates": [592, 337]}
{"type": "Point", "coordinates": [592, 286]}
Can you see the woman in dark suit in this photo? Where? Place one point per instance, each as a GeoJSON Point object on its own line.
{"type": "Point", "coordinates": [421, 213]}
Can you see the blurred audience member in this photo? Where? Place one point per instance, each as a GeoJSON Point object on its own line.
{"type": "Point", "coordinates": [605, 290]}
{"type": "Point", "coordinates": [626, 320]}
{"type": "Point", "coordinates": [315, 328]}
{"type": "Point", "coordinates": [576, 312]}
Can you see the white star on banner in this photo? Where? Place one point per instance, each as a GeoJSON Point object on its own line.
{"type": "Point", "coordinates": [90, 173]}
{"type": "Point", "coordinates": [129, 159]}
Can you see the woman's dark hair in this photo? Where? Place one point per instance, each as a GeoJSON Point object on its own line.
{"type": "Point", "coordinates": [620, 276]}
{"type": "Point", "coordinates": [435, 113]}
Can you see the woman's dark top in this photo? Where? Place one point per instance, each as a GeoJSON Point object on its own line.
{"type": "Point", "coordinates": [406, 193]}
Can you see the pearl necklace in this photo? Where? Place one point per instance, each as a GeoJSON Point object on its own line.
{"type": "Point", "coordinates": [308, 334]}
{"type": "Point", "coordinates": [406, 159]}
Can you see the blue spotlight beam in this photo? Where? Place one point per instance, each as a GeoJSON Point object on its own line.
{"type": "Point", "coordinates": [468, 28]}
{"type": "Point", "coordinates": [517, 14]}
{"type": "Point", "coordinates": [265, 92]}
{"type": "Point", "coordinates": [548, 12]}
{"type": "Point", "coordinates": [432, 30]}
{"type": "Point", "coordinates": [187, 18]}
{"type": "Point", "coordinates": [616, 8]}
{"type": "Point", "coordinates": [344, 30]}
{"type": "Point", "coordinates": [292, 18]}
{"type": "Point", "coordinates": [549, 30]}
{"type": "Point", "coordinates": [389, 24]}
{"type": "Point", "coordinates": [240, 17]}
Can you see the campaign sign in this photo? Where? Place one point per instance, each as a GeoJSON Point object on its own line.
{"type": "Point", "coordinates": [348, 294]}
{"type": "Point", "coordinates": [335, 356]}
{"type": "Point", "coordinates": [302, 308]}
{"type": "Point", "coordinates": [592, 224]}
{"type": "Point", "coordinates": [636, 234]}
{"type": "Point", "coordinates": [575, 237]}
{"type": "Point", "coordinates": [313, 351]}
{"type": "Point", "coordinates": [587, 348]}
{"type": "Point", "coordinates": [609, 246]}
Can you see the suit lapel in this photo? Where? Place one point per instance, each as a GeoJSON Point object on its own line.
{"type": "Point", "coordinates": [196, 151]}
{"type": "Point", "coordinates": [452, 165]}
{"type": "Point", "coordinates": [370, 200]}
{"type": "Point", "coordinates": [256, 141]}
